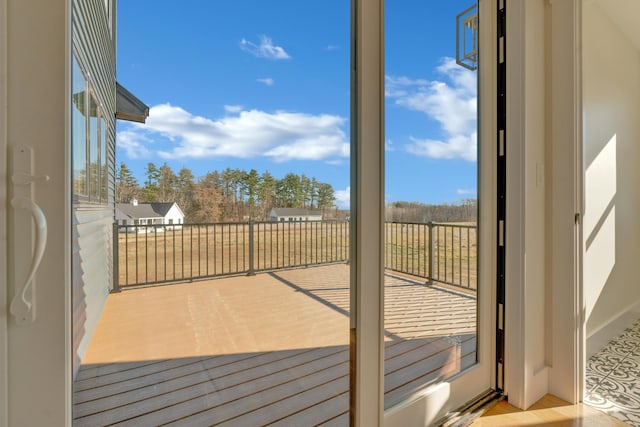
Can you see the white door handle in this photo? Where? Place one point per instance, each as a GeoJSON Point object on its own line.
{"type": "Point", "coordinates": [21, 305]}
{"type": "Point", "coordinates": [27, 243]}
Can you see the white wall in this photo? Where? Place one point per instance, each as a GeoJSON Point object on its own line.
{"type": "Point", "coordinates": [534, 198]}
{"type": "Point", "coordinates": [542, 317]}
{"type": "Point", "coordinates": [527, 370]}
{"type": "Point", "coordinates": [611, 228]}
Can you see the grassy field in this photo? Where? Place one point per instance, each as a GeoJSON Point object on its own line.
{"type": "Point", "coordinates": [455, 251]}
{"type": "Point", "coordinates": [218, 249]}
{"type": "Point", "coordinates": [195, 251]}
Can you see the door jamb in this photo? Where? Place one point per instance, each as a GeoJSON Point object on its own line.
{"type": "Point", "coordinates": [562, 371]}
{"type": "Point", "coordinates": [367, 208]}
{"type": "Point", "coordinates": [4, 356]}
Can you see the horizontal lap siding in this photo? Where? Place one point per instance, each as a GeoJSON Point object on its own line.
{"type": "Point", "coordinates": [91, 273]}
{"type": "Point", "coordinates": [94, 47]}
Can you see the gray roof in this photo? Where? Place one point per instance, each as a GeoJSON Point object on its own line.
{"type": "Point", "coordinates": [129, 107]}
{"type": "Point", "coordinates": [295, 212]}
{"type": "Point", "coordinates": [145, 210]}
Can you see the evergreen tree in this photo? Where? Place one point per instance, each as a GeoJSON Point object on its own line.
{"type": "Point", "coordinates": [326, 197]}
{"type": "Point", "coordinates": [230, 195]}
{"type": "Point", "coordinates": [167, 183]}
{"type": "Point", "coordinates": [150, 190]}
{"type": "Point", "coordinates": [267, 193]}
{"type": "Point", "coordinates": [185, 191]}
{"type": "Point", "coordinates": [126, 185]}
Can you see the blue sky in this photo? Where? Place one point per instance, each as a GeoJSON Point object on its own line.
{"type": "Point", "coordinates": [265, 85]}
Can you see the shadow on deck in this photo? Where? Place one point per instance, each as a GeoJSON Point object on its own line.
{"type": "Point", "coordinates": [266, 349]}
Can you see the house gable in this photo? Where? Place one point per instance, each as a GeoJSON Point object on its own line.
{"type": "Point", "coordinates": [165, 212]}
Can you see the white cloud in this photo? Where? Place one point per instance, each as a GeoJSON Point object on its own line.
{"type": "Point", "coordinates": [451, 103]}
{"type": "Point", "coordinates": [466, 191]}
{"type": "Point", "coordinates": [388, 145]}
{"type": "Point", "coordinates": [335, 162]}
{"type": "Point", "coordinates": [332, 47]}
{"type": "Point", "coordinates": [265, 49]}
{"type": "Point", "coordinates": [343, 198]}
{"type": "Point", "coordinates": [233, 108]}
{"type": "Point", "coordinates": [281, 136]}
{"type": "Point", "coordinates": [458, 146]}
{"type": "Point", "coordinates": [267, 81]}
{"type": "Point", "coordinates": [133, 143]}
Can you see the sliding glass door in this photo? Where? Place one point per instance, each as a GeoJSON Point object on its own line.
{"type": "Point", "coordinates": [378, 313]}
{"type": "Point", "coordinates": [438, 205]}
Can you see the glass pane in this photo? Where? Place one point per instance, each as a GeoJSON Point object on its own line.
{"type": "Point", "coordinates": [104, 172]}
{"type": "Point", "coordinates": [232, 262]}
{"type": "Point", "coordinates": [94, 138]}
{"type": "Point", "coordinates": [79, 130]}
{"type": "Point", "coordinates": [431, 193]}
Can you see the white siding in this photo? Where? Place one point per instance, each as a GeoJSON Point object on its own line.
{"type": "Point", "coordinates": [174, 214]}
{"type": "Point", "coordinates": [92, 274]}
{"type": "Point", "coordinates": [94, 47]}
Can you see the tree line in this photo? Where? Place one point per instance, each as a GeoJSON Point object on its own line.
{"type": "Point", "coordinates": [465, 210]}
{"type": "Point", "coordinates": [228, 195]}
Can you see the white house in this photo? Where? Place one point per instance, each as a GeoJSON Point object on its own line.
{"type": "Point", "coordinates": [294, 214]}
{"type": "Point", "coordinates": [134, 213]}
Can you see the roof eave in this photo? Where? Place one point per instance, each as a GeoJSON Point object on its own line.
{"type": "Point", "coordinates": [129, 107]}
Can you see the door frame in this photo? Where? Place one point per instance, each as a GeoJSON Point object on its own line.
{"type": "Point", "coordinates": [48, 341]}
{"type": "Point", "coordinates": [4, 385]}
{"type": "Point", "coordinates": [36, 55]}
{"type": "Point", "coordinates": [367, 208]}
{"type": "Point", "coordinates": [545, 354]}
{"type": "Point", "coordinates": [428, 405]}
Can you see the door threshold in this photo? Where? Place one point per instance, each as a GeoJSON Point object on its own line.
{"type": "Point", "coordinates": [473, 409]}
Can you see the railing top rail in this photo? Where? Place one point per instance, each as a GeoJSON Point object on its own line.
{"type": "Point", "coordinates": [439, 224]}
{"type": "Point", "coordinates": [454, 224]}
{"type": "Point", "coordinates": [194, 224]}
{"type": "Point", "coordinates": [222, 248]}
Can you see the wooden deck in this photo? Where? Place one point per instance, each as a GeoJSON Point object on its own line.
{"type": "Point", "coordinates": [260, 350]}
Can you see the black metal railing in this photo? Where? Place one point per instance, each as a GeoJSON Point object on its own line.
{"type": "Point", "coordinates": [438, 252]}
{"type": "Point", "coordinates": [148, 254]}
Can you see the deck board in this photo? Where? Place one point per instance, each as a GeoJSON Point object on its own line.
{"type": "Point", "coordinates": [229, 382]}
{"type": "Point", "coordinates": [266, 349]}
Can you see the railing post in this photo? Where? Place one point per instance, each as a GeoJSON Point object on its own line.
{"type": "Point", "coordinates": [431, 257]}
{"type": "Point", "coordinates": [116, 260]}
{"type": "Point", "coordinates": [251, 267]}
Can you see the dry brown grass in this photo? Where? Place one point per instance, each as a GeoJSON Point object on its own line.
{"type": "Point", "coordinates": [195, 251]}
{"type": "Point", "coordinates": [455, 251]}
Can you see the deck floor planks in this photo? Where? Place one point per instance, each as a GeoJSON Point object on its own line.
{"type": "Point", "coordinates": [340, 420]}
{"type": "Point", "coordinates": [90, 372]}
{"type": "Point", "coordinates": [319, 413]}
{"type": "Point", "coordinates": [255, 399]}
{"type": "Point", "coordinates": [222, 364]}
{"type": "Point", "coordinates": [164, 370]}
{"type": "Point", "coordinates": [126, 375]}
{"type": "Point", "coordinates": [396, 389]}
{"type": "Point", "coordinates": [291, 404]}
{"type": "Point", "coordinates": [216, 381]}
{"type": "Point", "coordinates": [418, 319]}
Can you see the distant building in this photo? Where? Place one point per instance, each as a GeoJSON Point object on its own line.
{"type": "Point", "coordinates": [294, 214]}
{"type": "Point", "coordinates": [134, 213]}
